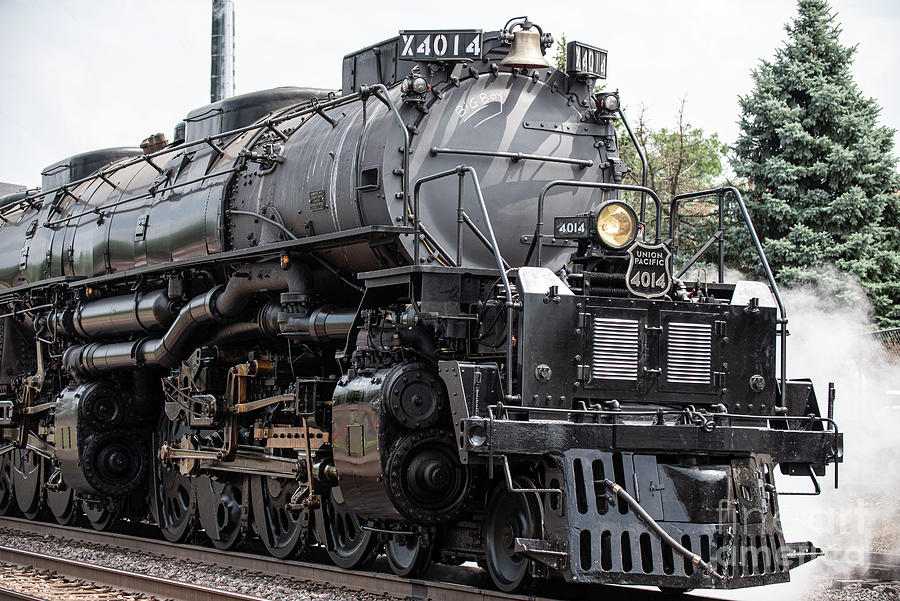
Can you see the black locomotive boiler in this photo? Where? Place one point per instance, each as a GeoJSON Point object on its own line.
{"type": "Point", "coordinates": [422, 316]}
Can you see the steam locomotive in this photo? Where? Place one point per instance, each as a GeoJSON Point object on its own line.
{"type": "Point", "coordinates": [340, 321]}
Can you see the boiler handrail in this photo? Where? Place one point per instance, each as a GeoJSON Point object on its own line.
{"type": "Point", "coordinates": [722, 190]}
{"type": "Point", "coordinates": [511, 305]}
{"type": "Point", "coordinates": [537, 242]}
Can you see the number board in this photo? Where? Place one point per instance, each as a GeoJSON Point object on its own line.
{"type": "Point", "coordinates": [585, 61]}
{"type": "Point", "coordinates": [649, 270]}
{"type": "Point", "coordinates": [572, 227]}
{"type": "Point", "coordinates": [440, 45]}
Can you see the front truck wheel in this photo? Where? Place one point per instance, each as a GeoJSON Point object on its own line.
{"type": "Point", "coordinates": [510, 515]}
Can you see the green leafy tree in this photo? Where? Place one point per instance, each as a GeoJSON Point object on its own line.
{"type": "Point", "coordinates": [680, 159]}
{"type": "Point", "coordinates": [820, 173]}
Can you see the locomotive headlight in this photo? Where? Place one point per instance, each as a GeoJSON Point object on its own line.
{"type": "Point", "coordinates": [616, 224]}
{"type": "Point", "coordinates": [611, 103]}
{"type": "Point", "coordinates": [419, 85]}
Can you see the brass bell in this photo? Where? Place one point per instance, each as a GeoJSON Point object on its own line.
{"type": "Point", "coordinates": [525, 51]}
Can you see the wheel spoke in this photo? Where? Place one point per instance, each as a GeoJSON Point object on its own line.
{"type": "Point", "coordinates": [351, 547]}
{"type": "Point", "coordinates": [26, 479]}
{"type": "Point", "coordinates": [284, 532]}
{"type": "Point", "coordinates": [7, 494]}
{"type": "Point", "coordinates": [174, 501]}
{"type": "Point", "coordinates": [219, 503]}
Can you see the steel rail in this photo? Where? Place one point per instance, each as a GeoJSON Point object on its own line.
{"type": "Point", "coordinates": [370, 582]}
{"type": "Point", "coordinates": [11, 595]}
{"type": "Point", "coordinates": [120, 579]}
{"type": "Point", "coordinates": [865, 565]}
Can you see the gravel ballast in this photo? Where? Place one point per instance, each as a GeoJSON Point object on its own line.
{"type": "Point", "coordinates": [203, 574]}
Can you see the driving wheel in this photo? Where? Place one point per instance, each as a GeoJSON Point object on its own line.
{"type": "Point", "coordinates": [173, 500]}
{"type": "Point", "coordinates": [27, 480]}
{"type": "Point", "coordinates": [219, 503]}
{"type": "Point", "coordinates": [348, 544]}
{"type": "Point", "coordinates": [510, 516]}
{"type": "Point", "coordinates": [61, 501]}
{"type": "Point", "coordinates": [7, 495]}
{"type": "Point", "coordinates": [283, 531]}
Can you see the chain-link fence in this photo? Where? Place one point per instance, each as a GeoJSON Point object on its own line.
{"type": "Point", "coordinates": [889, 341]}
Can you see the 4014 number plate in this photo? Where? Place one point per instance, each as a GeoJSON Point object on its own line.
{"type": "Point", "coordinates": [440, 45]}
{"type": "Point", "coordinates": [649, 272]}
{"type": "Point", "coordinates": [572, 227]}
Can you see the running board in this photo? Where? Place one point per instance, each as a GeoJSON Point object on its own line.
{"type": "Point", "coordinates": [797, 554]}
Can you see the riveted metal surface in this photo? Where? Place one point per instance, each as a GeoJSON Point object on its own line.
{"type": "Point", "coordinates": [548, 328]}
{"type": "Point", "coordinates": [334, 174]}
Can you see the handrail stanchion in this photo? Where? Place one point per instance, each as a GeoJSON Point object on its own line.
{"type": "Point", "coordinates": [783, 320]}
{"type": "Point", "coordinates": [722, 237]}
{"type": "Point", "coordinates": [643, 158]}
{"type": "Point", "coordinates": [417, 226]}
{"type": "Point", "coordinates": [460, 219]}
{"type": "Point", "coordinates": [380, 92]}
{"type": "Point", "coordinates": [511, 305]}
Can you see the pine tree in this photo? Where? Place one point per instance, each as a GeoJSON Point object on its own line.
{"type": "Point", "coordinates": [821, 177]}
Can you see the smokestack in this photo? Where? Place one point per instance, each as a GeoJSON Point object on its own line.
{"type": "Point", "coordinates": [222, 75]}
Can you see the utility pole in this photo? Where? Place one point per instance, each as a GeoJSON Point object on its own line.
{"type": "Point", "coordinates": [222, 74]}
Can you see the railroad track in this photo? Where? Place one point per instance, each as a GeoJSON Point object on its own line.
{"type": "Point", "coordinates": [878, 567]}
{"type": "Point", "coordinates": [444, 583]}
{"type": "Point", "coordinates": [125, 583]}
{"type": "Point", "coordinates": [28, 584]}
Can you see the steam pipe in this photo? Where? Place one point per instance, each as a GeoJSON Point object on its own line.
{"type": "Point", "coordinates": [218, 304]}
{"type": "Point", "coordinates": [258, 277]}
{"type": "Point", "coordinates": [118, 315]}
{"type": "Point", "coordinates": [659, 531]}
{"type": "Point", "coordinates": [171, 348]}
{"type": "Point", "coordinates": [325, 324]}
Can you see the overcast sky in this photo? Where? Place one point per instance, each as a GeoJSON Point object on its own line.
{"type": "Point", "coordinates": [77, 76]}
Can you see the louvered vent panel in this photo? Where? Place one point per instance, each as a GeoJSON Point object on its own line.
{"type": "Point", "coordinates": [689, 353]}
{"type": "Point", "coordinates": [615, 349]}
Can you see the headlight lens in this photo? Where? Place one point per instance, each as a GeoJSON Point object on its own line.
{"type": "Point", "coordinates": [616, 224]}
{"type": "Point", "coordinates": [611, 103]}
{"type": "Point", "coordinates": [420, 86]}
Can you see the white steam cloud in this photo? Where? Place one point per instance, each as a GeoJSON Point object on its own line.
{"type": "Point", "coordinates": [830, 341]}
